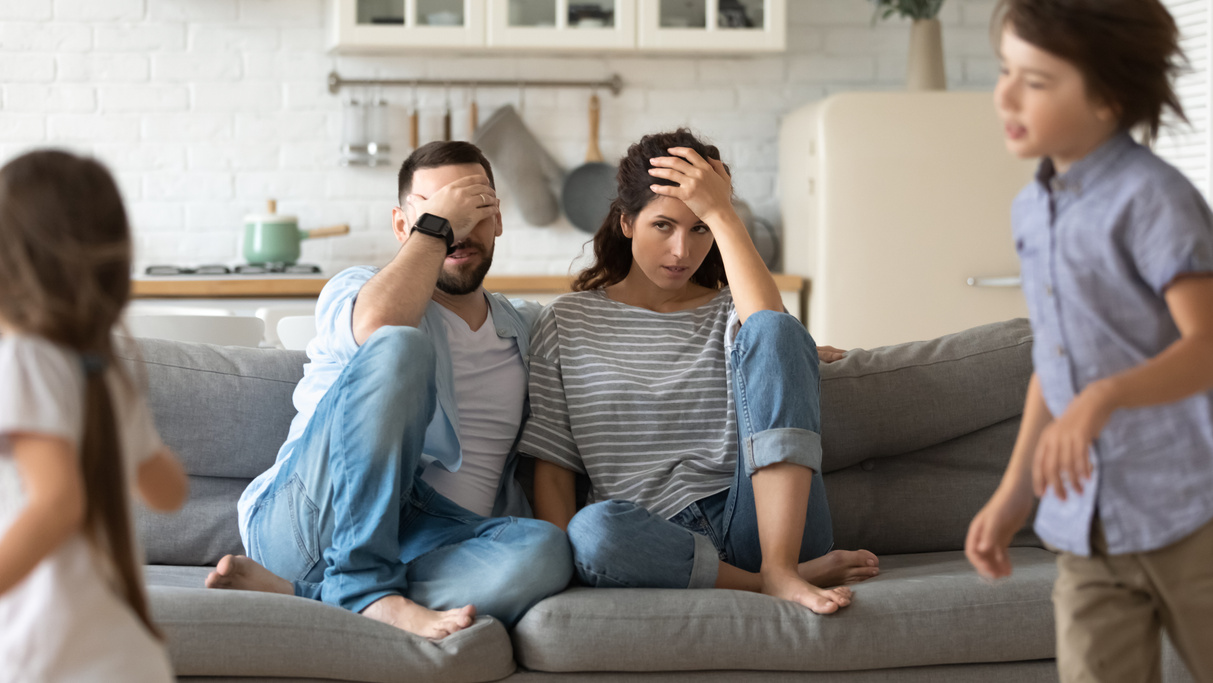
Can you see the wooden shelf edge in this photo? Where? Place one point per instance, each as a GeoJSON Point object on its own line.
{"type": "Point", "coordinates": [224, 288]}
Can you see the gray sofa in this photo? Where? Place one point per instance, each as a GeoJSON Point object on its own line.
{"type": "Point", "coordinates": [916, 438]}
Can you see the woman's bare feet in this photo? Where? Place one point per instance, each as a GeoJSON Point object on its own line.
{"type": "Point", "coordinates": [407, 615]}
{"type": "Point", "coordinates": [840, 567]}
{"type": "Point", "coordinates": [238, 572]}
{"type": "Point", "coordinates": [787, 584]}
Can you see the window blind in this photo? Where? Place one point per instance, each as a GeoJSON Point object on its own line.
{"type": "Point", "coordinates": [1190, 147]}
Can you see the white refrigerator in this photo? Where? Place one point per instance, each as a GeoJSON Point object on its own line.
{"type": "Point", "coordinates": [896, 207]}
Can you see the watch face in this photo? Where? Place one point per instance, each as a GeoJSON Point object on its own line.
{"type": "Point", "coordinates": [432, 223]}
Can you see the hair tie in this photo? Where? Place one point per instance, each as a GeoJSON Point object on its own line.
{"type": "Point", "coordinates": [93, 363]}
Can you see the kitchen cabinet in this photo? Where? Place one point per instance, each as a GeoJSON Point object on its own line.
{"type": "Point", "coordinates": [622, 26]}
{"type": "Point", "coordinates": [712, 25]}
{"type": "Point", "coordinates": [385, 25]}
{"type": "Point", "coordinates": [563, 24]}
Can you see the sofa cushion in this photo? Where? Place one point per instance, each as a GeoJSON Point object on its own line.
{"type": "Point", "coordinates": [922, 501]}
{"type": "Point", "coordinates": [241, 633]}
{"type": "Point", "coordinates": [923, 610]}
{"type": "Point", "coordinates": [899, 399]}
{"type": "Point", "coordinates": [225, 410]}
{"type": "Point", "coordinates": [201, 532]}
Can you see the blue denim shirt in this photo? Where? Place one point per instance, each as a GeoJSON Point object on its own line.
{"type": "Point", "coordinates": [334, 347]}
{"type": "Point", "coordinates": [1098, 245]}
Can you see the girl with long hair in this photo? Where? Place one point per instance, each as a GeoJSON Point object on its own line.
{"type": "Point", "coordinates": [675, 381]}
{"type": "Point", "coordinates": [74, 430]}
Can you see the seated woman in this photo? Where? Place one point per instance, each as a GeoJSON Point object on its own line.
{"type": "Point", "coordinates": [673, 379]}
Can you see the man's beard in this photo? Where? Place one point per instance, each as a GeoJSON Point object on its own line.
{"type": "Point", "coordinates": [466, 281]}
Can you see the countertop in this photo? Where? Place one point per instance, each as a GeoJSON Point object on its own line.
{"type": "Point", "coordinates": [271, 286]}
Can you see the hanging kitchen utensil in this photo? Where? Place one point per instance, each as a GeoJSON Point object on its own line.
{"type": "Point", "coordinates": [446, 117]}
{"type": "Point", "coordinates": [524, 169]}
{"type": "Point", "coordinates": [274, 238]}
{"type": "Point", "coordinates": [414, 123]}
{"type": "Point", "coordinates": [473, 114]}
{"type": "Point", "coordinates": [353, 133]}
{"type": "Point", "coordinates": [762, 233]}
{"type": "Point", "coordinates": [590, 188]}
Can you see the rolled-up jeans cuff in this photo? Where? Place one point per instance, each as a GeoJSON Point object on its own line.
{"type": "Point", "coordinates": [362, 602]}
{"type": "Point", "coordinates": [706, 563]}
{"type": "Point", "coordinates": [783, 444]}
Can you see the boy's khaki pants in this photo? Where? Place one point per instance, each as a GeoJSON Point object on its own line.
{"type": "Point", "coordinates": [1109, 610]}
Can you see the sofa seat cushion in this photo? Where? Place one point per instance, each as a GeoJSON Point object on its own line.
{"type": "Point", "coordinates": [924, 609]}
{"type": "Point", "coordinates": [242, 633]}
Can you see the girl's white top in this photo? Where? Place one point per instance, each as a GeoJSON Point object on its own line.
{"type": "Point", "coordinates": [67, 621]}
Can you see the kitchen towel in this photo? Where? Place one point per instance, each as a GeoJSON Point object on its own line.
{"type": "Point", "coordinates": [528, 171]}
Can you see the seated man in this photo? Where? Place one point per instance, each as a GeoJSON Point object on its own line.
{"type": "Point", "coordinates": [388, 497]}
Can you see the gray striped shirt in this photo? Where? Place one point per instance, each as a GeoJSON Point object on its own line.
{"type": "Point", "coordinates": [640, 401]}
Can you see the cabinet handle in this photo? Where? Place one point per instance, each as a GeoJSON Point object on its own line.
{"type": "Point", "coordinates": [1008, 281]}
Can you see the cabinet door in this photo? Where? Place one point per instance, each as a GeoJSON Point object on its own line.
{"type": "Point", "coordinates": [370, 25]}
{"type": "Point", "coordinates": [564, 24]}
{"type": "Point", "coordinates": [713, 25]}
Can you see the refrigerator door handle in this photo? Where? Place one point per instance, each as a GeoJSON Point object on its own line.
{"type": "Point", "coordinates": [1008, 281]}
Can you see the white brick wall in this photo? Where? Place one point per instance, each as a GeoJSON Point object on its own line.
{"type": "Point", "coordinates": [205, 108]}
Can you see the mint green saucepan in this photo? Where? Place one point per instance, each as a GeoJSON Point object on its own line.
{"type": "Point", "coordinates": [274, 238]}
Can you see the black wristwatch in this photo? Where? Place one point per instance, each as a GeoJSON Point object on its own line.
{"type": "Point", "coordinates": [436, 226]}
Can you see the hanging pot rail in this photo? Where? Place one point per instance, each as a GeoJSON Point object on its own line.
{"type": "Point", "coordinates": [336, 83]}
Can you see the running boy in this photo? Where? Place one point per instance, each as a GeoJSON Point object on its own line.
{"type": "Point", "coordinates": [1116, 249]}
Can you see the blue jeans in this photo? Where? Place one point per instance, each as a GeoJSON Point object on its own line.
{"type": "Point", "coordinates": [777, 387]}
{"type": "Point", "coordinates": [349, 521]}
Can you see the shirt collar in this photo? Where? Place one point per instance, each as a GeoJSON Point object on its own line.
{"type": "Point", "coordinates": [501, 317]}
{"type": "Point", "coordinates": [1087, 170]}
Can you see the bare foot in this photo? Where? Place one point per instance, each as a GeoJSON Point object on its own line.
{"type": "Point", "coordinates": [786, 584]}
{"type": "Point", "coordinates": [407, 615]}
{"type": "Point", "coordinates": [840, 567]}
{"type": "Point", "coordinates": [238, 572]}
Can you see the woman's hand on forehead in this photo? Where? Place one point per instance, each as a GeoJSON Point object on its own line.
{"type": "Point", "coordinates": [703, 184]}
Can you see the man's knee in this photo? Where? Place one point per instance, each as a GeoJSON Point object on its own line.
{"type": "Point", "coordinates": [405, 349]}
{"type": "Point", "coordinates": [549, 559]}
{"type": "Point", "coordinates": [395, 363]}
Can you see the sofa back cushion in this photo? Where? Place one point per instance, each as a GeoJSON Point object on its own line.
{"type": "Point", "coordinates": [225, 411]}
{"type": "Point", "coordinates": [946, 408]}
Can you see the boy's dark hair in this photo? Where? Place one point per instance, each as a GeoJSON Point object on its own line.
{"type": "Point", "coordinates": [612, 250]}
{"type": "Point", "coordinates": [1127, 50]}
{"type": "Point", "coordinates": [435, 154]}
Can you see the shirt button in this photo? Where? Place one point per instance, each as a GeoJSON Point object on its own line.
{"type": "Point", "coordinates": [1049, 290]}
{"type": "Point", "coordinates": [1061, 351]}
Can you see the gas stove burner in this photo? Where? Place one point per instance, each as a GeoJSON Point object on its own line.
{"type": "Point", "coordinates": [296, 269]}
{"type": "Point", "coordinates": [243, 269]}
{"type": "Point", "coordinates": [207, 269]}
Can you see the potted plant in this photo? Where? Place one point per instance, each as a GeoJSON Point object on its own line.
{"type": "Point", "coordinates": [925, 69]}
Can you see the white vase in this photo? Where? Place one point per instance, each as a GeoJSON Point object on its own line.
{"type": "Point", "coordinates": [925, 70]}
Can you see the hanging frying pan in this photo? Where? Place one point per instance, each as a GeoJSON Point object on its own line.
{"type": "Point", "coordinates": [589, 188]}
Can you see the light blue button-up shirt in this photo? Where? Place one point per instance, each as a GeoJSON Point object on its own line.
{"type": "Point", "coordinates": [1098, 246]}
{"type": "Point", "coordinates": [333, 348]}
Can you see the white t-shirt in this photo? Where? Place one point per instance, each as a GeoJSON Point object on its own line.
{"type": "Point", "coordinates": [66, 621]}
{"type": "Point", "coordinates": [490, 389]}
